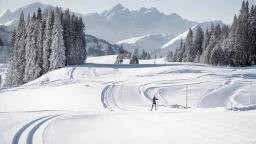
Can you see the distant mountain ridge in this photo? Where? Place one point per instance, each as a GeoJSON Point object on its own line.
{"type": "Point", "coordinates": [118, 23]}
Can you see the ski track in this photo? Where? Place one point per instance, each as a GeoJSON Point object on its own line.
{"type": "Point", "coordinates": [32, 132]}
{"type": "Point", "coordinates": [220, 97]}
{"type": "Point", "coordinates": [17, 136]}
{"type": "Point", "coordinates": [19, 133]}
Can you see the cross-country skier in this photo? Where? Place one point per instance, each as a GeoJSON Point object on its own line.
{"type": "Point", "coordinates": [154, 102]}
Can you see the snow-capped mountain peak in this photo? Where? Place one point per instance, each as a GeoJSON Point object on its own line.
{"type": "Point", "coordinates": [6, 12]}
{"type": "Point", "coordinates": [148, 10]}
{"type": "Point", "coordinates": [118, 9]}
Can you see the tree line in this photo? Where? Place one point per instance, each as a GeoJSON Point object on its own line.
{"type": "Point", "coordinates": [221, 45]}
{"type": "Point", "coordinates": [46, 41]}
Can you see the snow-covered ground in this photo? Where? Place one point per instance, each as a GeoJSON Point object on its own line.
{"type": "Point", "coordinates": [100, 102]}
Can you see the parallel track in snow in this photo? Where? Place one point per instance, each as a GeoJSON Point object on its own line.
{"type": "Point", "coordinates": [39, 122]}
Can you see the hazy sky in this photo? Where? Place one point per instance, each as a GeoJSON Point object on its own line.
{"type": "Point", "coordinates": [196, 10]}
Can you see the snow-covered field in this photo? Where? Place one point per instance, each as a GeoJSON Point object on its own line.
{"type": "Point", "coordinates": [99, 102]}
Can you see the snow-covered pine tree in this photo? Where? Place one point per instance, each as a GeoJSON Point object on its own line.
{"type": "Point", "coordinates": [66, 21]}
{"type": "Point", "coordinates": [30, 51]}
{"type": "Point", "coordinates": [121, 55]}
{"type": "Point", "coordinates": [38, 34]}
{"type": "Point", "coordinates": [148, 57]}
{"type": "Point", "coordinates": [251, 41]}
{"type": "Point", "coordinates": [143, 54]}
{"type": "Point", "coordinates": [224, 32]}
{"type": "Point", "coordinates": [108, 50]}
{"type": "Point", "coordinates": [241, 47]}
{"type": "Point", "coordinates": [81, 41]}
{"type": "Point", "coordinates": [190, 52]}
{"type": "Point", "coordinates": [206, 42]}
{"type": "Point", "coordinates": [47, 41]}
{"type": "Point", "coordinates": [217, 56]}
{"type": "Point", "coordinates": [57, 58]}
{"type": "Point", "coordinates": [174, 59]}
{"type": "Point", "coordinates": [134, 57]}
{"type": "Point", "coordinates": [19, 52]}
{"type": "Point", "coordinates": [180, 51]}
{"type": "Point", "coordinates": [215, 38]}
{"type": "Point", "coordinates": [198, 43]}
{"type": "Point", "coordinates": [72, 52]}
{"type": "Point", "coordinates": [169, 56]}
{"type": "Point", "coordinates": [9, 81]}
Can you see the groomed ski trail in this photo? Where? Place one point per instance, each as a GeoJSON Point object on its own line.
{"type": "Point", "coordinates": [34, 126]}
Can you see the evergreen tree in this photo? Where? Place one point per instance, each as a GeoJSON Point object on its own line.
{"type": "Point", "coordinates": [251, 41]}
{"type": "Point", "coordinates": [148, 57]}
{"type": "Point", "coordinates": [47, 42]}
{"type": "Point", "coordinates": [11, 67]}
{"type": "Point", "coordinates": [134, 57]}
{"type": "Point", "coordinates": [175, 55]}
{"type": "Point", "coordinates": [180, 51]}
{"type": "Point", "coordinates": [241, 47]}
{"type": "Point", "coordinates": [72, 52]}
{"type": "Point", "coordinates": [66, 21]}
{"type": "Point", "coordinates": [121, 55]}
{"type": "Point", "coordinates": [198, 43]}
{"type": "Point", "coordinates": [190, 52]}
{"type": "Point", "coordinates": [81, 42]}
{"type": "Point", "coordinates": [217, 56]}
{"type": "Point", "coordinates": [108, 50]}
{"type": "Point", "coordinates": [57, 58]}
{"type": "Point", "coordinates": [19, 52]}
{"type": "Point", "coordinates": [215, 38]}
{"type": "Point", "coordinates": [169, 56]}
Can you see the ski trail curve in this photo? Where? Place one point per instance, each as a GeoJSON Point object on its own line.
{"type": "Point", "coordinates": [33, 131]}
{"type": "Point", "coordinates": [122, 97]}
{"type": "Point", "coordinates": [220, 97]}
{"type": "Point", "coordinates": [17, 136]}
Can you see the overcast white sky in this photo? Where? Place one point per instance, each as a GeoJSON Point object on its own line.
{"type": "Point", "coordinates": [196, 10]}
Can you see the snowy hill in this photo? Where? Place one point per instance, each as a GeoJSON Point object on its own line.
{"type": "Point", "coordinates": [79, 104]}
{"type": "Point", "coordinates": [209, 87]}
{"type": "Point", "coordinates": [150, 42]}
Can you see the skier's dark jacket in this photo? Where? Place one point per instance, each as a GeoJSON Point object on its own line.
{"type": "Point", "coordinates": [154, 100]}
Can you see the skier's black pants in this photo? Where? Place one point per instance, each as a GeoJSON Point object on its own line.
{"type": "Point", "coordinates": [153, 105]}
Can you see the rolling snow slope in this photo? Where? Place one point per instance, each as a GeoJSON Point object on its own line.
{"type": "Point", "coordinates": [99, 82]}
{"type": "Point", "coordinates": [98, 102]}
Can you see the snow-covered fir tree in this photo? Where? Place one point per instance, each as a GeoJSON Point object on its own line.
{"type": "Point", "coordinates": [11, 67]}
{"type": "Point", "coordinates": [108, 50]}
{"type": "Point", "coordinates": [143, 54]}
{"type": "Point", "coordinates": [169, 57]}
{"type": "Point", "coordinates": [190, 52]}
{"type": "Point", "coordinates": [198, 43]}
{"type": "Point", "coordinates": [134, 57]}
{"type": "Point", "coordinates": [57, 57]}
{"type": "Point", "coordinates": [180, 52]}
{"type": "Point", "coordinates": [121, 55]}
{"type": "Point", "coordinates": [19, 52]}
{"type": "Point", "coordinates": [47, 41]}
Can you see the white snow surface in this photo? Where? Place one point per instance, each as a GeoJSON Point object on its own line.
{"type": "Point", "coordinates": [99, 102]}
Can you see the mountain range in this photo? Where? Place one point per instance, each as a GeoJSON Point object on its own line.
{"type": "Point", "coordinates": [146, 28]}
